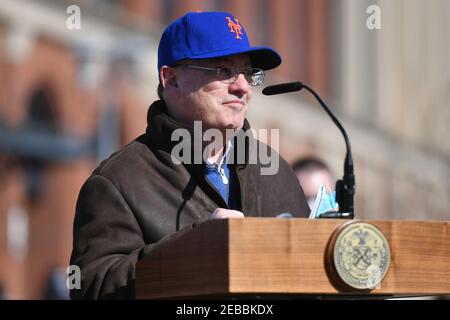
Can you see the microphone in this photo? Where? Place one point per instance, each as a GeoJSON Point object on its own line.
{"type": "Point", "coordinates": [282, 88]}
{"type": "Point", "coordinates": [345, 187]}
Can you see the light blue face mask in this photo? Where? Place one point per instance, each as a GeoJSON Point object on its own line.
{"type": "Point", "coordinates": [325, 201]}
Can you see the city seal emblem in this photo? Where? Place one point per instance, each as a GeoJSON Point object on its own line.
{"type": "Point", "coordinates": [361, 255]}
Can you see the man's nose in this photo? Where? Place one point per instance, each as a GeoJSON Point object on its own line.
{"type": "Point", "coordinates": [240, 86]}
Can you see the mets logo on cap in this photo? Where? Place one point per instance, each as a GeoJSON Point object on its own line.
{"type": "Point", "coordinates": [235, 27]}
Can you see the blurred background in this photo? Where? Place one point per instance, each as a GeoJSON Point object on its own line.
{"type": "Point", "coordinates": [69, 97]}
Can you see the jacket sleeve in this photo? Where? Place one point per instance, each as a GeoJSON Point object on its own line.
{"type": "Point", "coordinates": [107, 242]}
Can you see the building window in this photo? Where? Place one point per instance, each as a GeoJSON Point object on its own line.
{"type": "Point", "coordinates": [41, 114]}
{"type": "Point", "coordinates": [41, 121]}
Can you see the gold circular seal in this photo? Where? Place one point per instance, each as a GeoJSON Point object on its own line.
{"type": "Point", "coordinates": [361, 255]}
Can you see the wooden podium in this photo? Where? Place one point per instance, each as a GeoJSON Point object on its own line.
{"type": "Point", "coordinates": [288, 257]}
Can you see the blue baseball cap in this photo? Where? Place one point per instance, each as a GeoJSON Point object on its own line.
{"type": "Point", "coordinates": [206, 35]}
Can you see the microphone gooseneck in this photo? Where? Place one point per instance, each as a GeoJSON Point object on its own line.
{"type": "Point", "coordinates": [345, 188]}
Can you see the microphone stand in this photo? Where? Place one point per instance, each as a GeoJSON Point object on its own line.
{"type": "Point", "coordinates": [345, 187]}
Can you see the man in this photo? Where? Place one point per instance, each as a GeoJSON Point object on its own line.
{"type": "Point", "coordinates": [143, 195]}
{"type": "Point", "coordinates": [311, 173]}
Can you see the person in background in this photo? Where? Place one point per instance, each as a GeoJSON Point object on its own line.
{"type": "Point", "coordinates": [312, 172]}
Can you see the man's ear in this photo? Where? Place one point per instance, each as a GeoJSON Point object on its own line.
{"type": "Point", "coordinates": [168, 77]}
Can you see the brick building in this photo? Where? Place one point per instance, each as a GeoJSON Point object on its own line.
{"type": "Point", "coordinates": [69, 98]}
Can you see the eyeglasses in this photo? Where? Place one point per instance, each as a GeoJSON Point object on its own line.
{"type": "Point", "coordinates": [254, 76]}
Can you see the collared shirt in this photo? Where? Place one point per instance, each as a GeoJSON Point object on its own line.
{"type": "Point", "coordinates": [221, 178]}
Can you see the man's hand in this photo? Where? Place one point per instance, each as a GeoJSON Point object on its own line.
{"type": "Point", "coordinates": [221, 213]}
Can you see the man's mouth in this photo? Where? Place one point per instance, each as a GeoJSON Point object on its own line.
{"type": "Point", "coordinates": [239, 102]}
